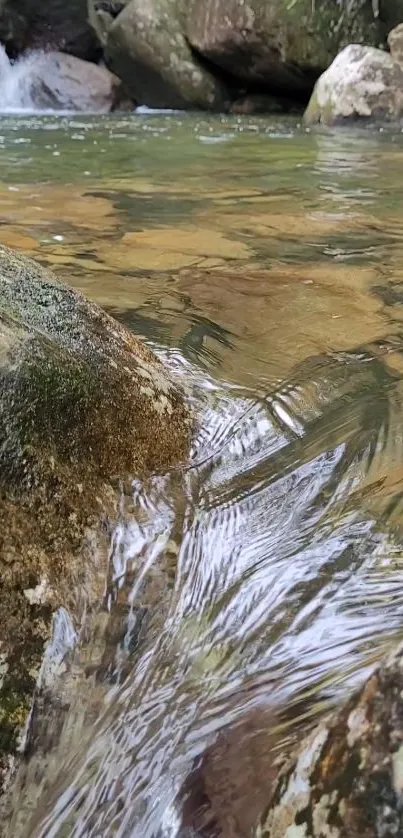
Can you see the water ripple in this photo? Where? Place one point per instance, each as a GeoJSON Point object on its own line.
{"type": "Point", "coordinates": [269, 570]}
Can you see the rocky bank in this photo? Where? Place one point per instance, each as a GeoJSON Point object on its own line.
{"type": "Point", "coordinates": [210, 55]}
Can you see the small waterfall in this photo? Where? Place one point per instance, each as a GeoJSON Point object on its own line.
{"type": "Point", "coordinates": [16, 82]}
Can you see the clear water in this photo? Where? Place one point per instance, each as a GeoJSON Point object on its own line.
{"type": "Point", "coordinates": [263, 263]}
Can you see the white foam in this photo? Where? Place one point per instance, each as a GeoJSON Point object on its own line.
{"type": "Point", "coordinates": [144, 109]}
{"type": "Point", "coordinates": [16, 82]}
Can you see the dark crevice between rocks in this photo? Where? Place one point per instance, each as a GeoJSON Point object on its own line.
{"type": "Point", "coordinates": [258, 97]}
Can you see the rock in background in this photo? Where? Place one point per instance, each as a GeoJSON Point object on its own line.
{"type": "Point", "coordinates": [49, 23]}
{"type": "Point", "coordinates": [362, 83]}
{"type": "Point", "coordinates": [147, 48]}
{"type": "Point", "coordinates": [281, 45]}
{"type": "Point", "coordinates": [193, 54]}
{"type": "Point", "coordinates": [59, 81]}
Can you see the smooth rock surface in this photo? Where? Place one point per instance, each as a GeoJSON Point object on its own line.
{"type": "Point", "coordinates": [62, 82]}
{"type": "Point", "coordinates": [362, 83]}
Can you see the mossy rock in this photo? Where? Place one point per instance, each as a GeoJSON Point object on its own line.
{"type": "Point", "coordinates": [282, 45]}
{"type": "Point", "coordinates": [83, 405]}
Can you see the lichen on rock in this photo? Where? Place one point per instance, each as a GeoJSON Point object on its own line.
{"type": "Point", "coordinates": [346, 779]}
{"type": "Point", "coordinates": [362, 83]}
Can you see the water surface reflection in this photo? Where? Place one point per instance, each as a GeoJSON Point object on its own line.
{"type": "Point", "coordinates": [258, 586]}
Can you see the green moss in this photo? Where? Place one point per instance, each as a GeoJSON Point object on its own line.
{"type": "Point", "coordinates": [318, 29]}
{"type": "Point", "coordinates": [82, 404]}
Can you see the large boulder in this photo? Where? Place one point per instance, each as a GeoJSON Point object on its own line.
{"type": "Point", "coordinates": [281, 45]}
{"type": "Point", "coordinates": [147, 48]}
{"type": "Point", "coordinates": [83, 405]}
{"type": "Point", "coordinates": [55, 80]}
{"type": "Point", "coordinates": [102, 13]}
{"type": "Point", "coordinates": [31, 24]}
{"type": "Point", "coordinates": [362, 83]}
{"type": "Point", "coordinates": [346, 779]}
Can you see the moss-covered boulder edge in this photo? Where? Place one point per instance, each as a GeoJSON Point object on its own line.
{"type": "Point", "coordinates": [83, 406]}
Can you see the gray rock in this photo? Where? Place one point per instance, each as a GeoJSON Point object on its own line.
{"type": "Point", "coordinates": [395, 43]}
{"type": "Point", "coordinates": [362, 83]}
{"type": "Point", "coordinates": [62, 82]}
{"type": "Point", "coordinates": [101, 14]}
{"type": "Point", "coordinates": [147, 48]}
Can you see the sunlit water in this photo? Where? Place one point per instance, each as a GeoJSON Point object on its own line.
{"type": "Point", "coordinates": [264, 265]}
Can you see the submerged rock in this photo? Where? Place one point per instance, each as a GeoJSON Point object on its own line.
{"type": "Point", "coordinates": [82, 404]}
{"type": "Point", "coordinates": [281, 45]}
{"type": "Point", "coordinates": [59, 81]}
{"type": "Point", "coordinates": [226, 790]}
{"type": "Point", "coordinates": [147, 48]}
{"type": "Point", "coordinates": [343, 781]}
{"type": "Point", "coordinates": [346, 780]}
{"type": "Point", "coordinates": [362, 83]}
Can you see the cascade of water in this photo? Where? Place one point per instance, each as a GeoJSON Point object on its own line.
{"type": "Point", "coordinates": [16, 82]}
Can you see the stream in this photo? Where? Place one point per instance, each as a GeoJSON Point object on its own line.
{"type": "Point", "coordinates": [262, 582]}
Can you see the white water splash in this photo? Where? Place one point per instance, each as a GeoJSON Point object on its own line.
{"type": "Point", "coordinates": [16, 82]}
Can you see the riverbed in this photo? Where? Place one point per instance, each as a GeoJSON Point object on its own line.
{"type": "Point", "coordinates": [263, 263]}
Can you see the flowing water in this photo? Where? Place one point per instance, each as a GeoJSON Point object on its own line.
{"type": "Point", "coordinates": [252, 590]}
{"type": "Point", "coordinates": [16, 82]}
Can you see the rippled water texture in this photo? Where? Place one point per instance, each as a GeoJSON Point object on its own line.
{"type": "Point", "coordinates": [251, 591]}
